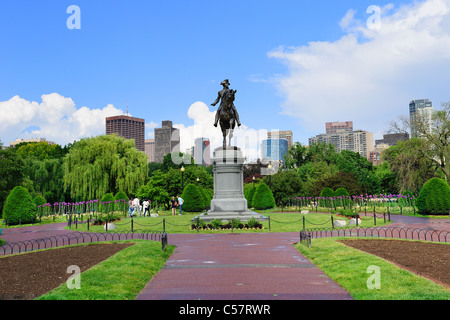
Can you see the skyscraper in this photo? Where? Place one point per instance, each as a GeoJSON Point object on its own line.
{"type": "Point", "coordinates": [150, 149]}
{"type": "Point", "coordinates": [287, 134]}
{"type": "Point", "coordinates": [343, 137]}
{"type": "Point", "coordinates": [129, 128]}
{"type": "Point", "coordinates": [202, 152]}
{"type": "Point", "coordinates": [337, 127]}
{"type": "Point", "coordinates": [420, 114]}
{"type": "Point", "coordinates": [167, 139]}
{"type": "Point", "coordinates": [274, 149]}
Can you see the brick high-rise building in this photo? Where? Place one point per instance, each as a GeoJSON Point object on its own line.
{"type": "Point", "coordinates": [338, 127]}
{"type": "Point", "coordinates": [129, 128]}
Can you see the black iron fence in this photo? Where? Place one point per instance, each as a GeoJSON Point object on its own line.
{"type": "Point", "coordinates": [79, 238]}
{"type": "Point", "coordinates": [408, 233]}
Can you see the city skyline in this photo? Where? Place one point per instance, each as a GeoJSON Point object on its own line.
{"type": "Point", "coordinates": [295, 66]}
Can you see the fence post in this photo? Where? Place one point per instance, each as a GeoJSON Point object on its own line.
{"type": "Point", "coordinates": [164, 224]}
{"type": "Point", "coordinates": [132, 225]}
{"type": "Point", "coordinates": [269, 222]}
{"type": "Point", "coordinates": [374, 219]}
{"type": "Point", "coordinates": [332, 222]}
{"type": "Point", "coordinates": [88, 222]}
{"type": "Point", "coordinates": [303, 222]}
{"type": "Point", "coordinates": [106, 225]}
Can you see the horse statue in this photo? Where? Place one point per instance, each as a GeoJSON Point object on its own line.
{"type": "Point", "coordinates": [227, 117]}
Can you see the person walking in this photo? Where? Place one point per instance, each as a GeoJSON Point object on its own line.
{"type": "Point", "coordinates": [180, 204]}
{"type": "Point", "coordinates": [145, 205]}
{"type": "Point", "coordinates": [137, 206]}
{"type": "Point", "coordinates": [173, 204]}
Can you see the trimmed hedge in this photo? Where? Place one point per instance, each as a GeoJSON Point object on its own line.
{"type": "Point", "coordinates": [263, 197]}
{"type": "Point", "coordinates": [434, 197]}
{"type": "Point", "coordinates": [19, 207]}
{"type": "Point", "coordinates": [193, 199]}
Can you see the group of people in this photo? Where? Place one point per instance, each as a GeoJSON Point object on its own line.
{"type": "Point", "coordinates": [176, 203]}
{"type": "Point", "coordinates": [135, 206]}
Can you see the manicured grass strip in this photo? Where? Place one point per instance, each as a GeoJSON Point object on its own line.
{"type": "Point", "coordinates": [280, 222]}
{"type": "Point", "coordinates": [349, 268]}
{"type": "Point", "coordinates": [121, 277]}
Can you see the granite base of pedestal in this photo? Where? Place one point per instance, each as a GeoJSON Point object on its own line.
{"type": "Point", "coordinates": [228, 202]}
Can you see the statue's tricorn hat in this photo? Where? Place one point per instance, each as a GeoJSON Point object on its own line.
{"type": "Point", "coordinates": [224, 82]}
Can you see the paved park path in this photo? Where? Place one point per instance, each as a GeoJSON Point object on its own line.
{"type": "Point", "coordinates": [247, 266]}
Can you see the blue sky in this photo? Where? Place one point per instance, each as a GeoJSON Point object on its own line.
{"type": "Point", "coordinates": [164, 56]}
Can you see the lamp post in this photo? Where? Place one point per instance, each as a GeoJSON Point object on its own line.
{"type": "Point", "coordinates": [182, 176]}
{"type": "Point", "coordinates": [270, 174]}
{"type": "Point", "coordinates": [253, 181]}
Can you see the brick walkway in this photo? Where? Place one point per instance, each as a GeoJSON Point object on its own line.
{"type": "Point", "coordinates": [248, 266]}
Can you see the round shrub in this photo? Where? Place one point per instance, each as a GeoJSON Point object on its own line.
{"type": "Point", "coordinates": [107, 207]}
{"type": "Point", "coordinates": [193, 199]}
{"type": "Point", "coordinates": [434, 197]}
{"type": "Point", "coordinates": [263, 197]}
{"type": "Point", "coordinates": [39, 201]}
{"type": "Point", "coordinates": [19, 207]}
{"type": "Point", "coordinates": [341, 195]}
{"type": "Point", "coordinates": [207, 197]}
{"type": "Point", "coordinates": [326, 194]}
{"type": "Point", "coordinates": [122, 205]}
{"type": "Point", "coordinates": [249, 196]}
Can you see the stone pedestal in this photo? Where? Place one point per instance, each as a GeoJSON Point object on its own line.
{"type": "Point", "coordinates": [229, 201]}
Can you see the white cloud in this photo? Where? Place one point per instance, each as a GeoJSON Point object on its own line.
{"type": "Point", "coordinates": [370, 75]}
{"type": "Point", "coordinates": [247, 139]}
{"type": "Point", "coordinates": [56, 118]}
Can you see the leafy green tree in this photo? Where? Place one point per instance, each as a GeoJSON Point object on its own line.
{"type": "Point", "coordinates": [155, 193]}
{"type": "Point", "coordinates": [434, 197]}
{"type": "Point", "coordinates": [297, 156]}
{"type": "Point", "coordinates": [11, 173]}
{"type": "Point", "coordinates": [39, 150]}
{"type": "Point", "coordinates": [339, 180]}
{"type": "Point", "coordinates": [263, 197]}
{"type": "Point", "coordinates": [411, 169]}
{"type": "Point", "coordinates": [98, 165]}
{"type": "Point", "coordinates": [284, 186]}
{"type": "Point", "coordinates": [19, 207]}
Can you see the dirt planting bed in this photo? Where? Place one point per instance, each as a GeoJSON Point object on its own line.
{"type": "Point", "coordinates": [429, 260]}
{"type": "Point", "coordinates": [30, 275]}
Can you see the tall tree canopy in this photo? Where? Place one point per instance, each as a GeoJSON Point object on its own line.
{"type": "Point", "coordinates": [102, 164]}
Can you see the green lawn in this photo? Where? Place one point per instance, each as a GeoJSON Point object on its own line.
{"type": "Point", "coordinates": [349, 268]}
{"type": "Point", "coordinates": [120, 277]}
{"type": "Point", "coordinates": [279, 222]}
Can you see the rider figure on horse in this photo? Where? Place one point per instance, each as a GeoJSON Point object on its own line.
{"type": "Point", "coordinates": [225, 85]}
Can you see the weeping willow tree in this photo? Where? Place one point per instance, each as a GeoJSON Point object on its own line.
{"type": "Point", "coordinates": [102, 164]}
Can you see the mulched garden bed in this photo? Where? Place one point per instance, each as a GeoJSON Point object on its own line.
{"type": "Point", "coordinates": [429, 260]}
{"type": "Point", "coordinates": [28, 276]}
